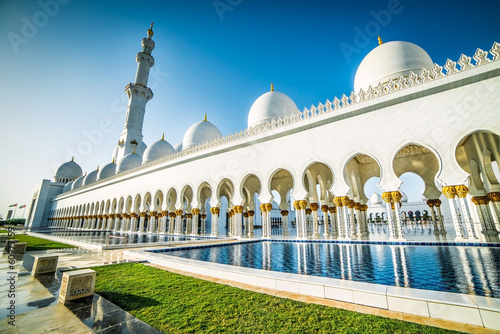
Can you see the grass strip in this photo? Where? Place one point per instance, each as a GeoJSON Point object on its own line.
{"type": "Point", "coordinates": [38, 244]}
{"type": "Point", "coordinates": [174, 303]}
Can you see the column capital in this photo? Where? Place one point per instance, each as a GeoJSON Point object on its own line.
{"type": "Point", "coordinates": [303, 204]}
{"type": "Point", "coordinates": [284, 212]}
{"type": "Point", "coordinates": [462, 191]}
{"type": "Point", "coordinates": [179, 212]}
{"type": "Point", "coordinates": [142, 214]}
{"type": "Point", "coordinates": [308, 211]}
{"type": "Point", "coordinates": [338, 201]}
{"type": "Point", "coordinates": [203, 216]}
{"type": "Point", "coordinates": [396, 196]}
{"type": "Point", "coordinates": [437, 202]}
{"type": "Point", "coordinates": [332, 209]}
{"type": "Point", "coordinates": [172, 215]}
{"type": "Point", "coordinates": [269, 207]}
{"type": "Point", "coordinates": [195, 211]}
{"type": "Point", "coordinates": [494, 197]}
{"type": "Point", "coordinates": [480, 200]}
{"type": "Point", "coordinates": [314, 206]}
{"type": "Point", "coordinates": [245, 214]}
{"type": "Point", "coordinates": [164, 213]}
{"type": "Point", "coordinates": [189, 215]}
{"type": "Point", "coordinates": [430, 203]}
{"type": "Point", "coordinates": [387, 196]}
{"type": "Point", "coordinates": [251, 213]}
{"type": "Point", "coordinates": [345, 200]}
{"type": "Point", "coordinates": [324, 208]}
{"type": "Point", "coordinates": [296, 205]}
{"type": "Point", "coordinates": [351, 204]}
{"type": "Point", "coordinates": [450, 192]}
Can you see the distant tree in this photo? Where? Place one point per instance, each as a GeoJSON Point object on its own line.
{"type": "Point", "coordinates": [15, 221]}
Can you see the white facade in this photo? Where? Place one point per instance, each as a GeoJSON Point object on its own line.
{"type": "Point", "coordinates": [441, 124]}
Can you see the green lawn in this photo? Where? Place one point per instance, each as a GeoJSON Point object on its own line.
{"type": "Point", "coordinates": [38, 244]}
{"type": "Point", "coordinates": [173, 303]}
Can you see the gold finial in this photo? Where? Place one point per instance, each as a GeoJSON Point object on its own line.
{"type": "Point", "coordinates": [133, 152]}
{"type": "Point", "coordinates": [150, 30]}
{"type": "Point", "coordinates": [205, 120]}
{"type": "Point", "coordinates": [379, 40]}
{"type": "Point", "coordinates": [97, 167]}
{"type": "Point", "coordinates": [272, 87]}
{"type": "Point", "coordinates": [85, 173]}
{"type": "Point", "coordinates": [163, 136]}
{"type": "Point", "coordinates": [113, 161]}
{"type": "Point", "coordinates": [72, 158]}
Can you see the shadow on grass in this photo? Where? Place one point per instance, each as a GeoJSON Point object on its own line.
{"type": "Point", "coordinates": [128, 302]}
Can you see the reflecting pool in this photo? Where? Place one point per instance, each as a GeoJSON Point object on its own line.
{"type": "Point", "coordinates": [469, 270]}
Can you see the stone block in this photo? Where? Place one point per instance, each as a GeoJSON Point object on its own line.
{"type": "Point", "coordinates": [9, 244]}
{"type": "Point", "coordinates": [77, 284]}
{"type": "Point", "coordinates": [44, 264]}
{"type": "Point", "coordinates": [19, 248]}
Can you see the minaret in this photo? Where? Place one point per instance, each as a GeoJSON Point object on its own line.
{"type": "Point", "coordinates": [138, 95]}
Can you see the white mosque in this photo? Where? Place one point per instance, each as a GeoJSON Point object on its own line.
{"type": "Point", "coordinates": [406, 114]}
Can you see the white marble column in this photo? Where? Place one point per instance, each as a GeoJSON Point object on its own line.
{"type": "Point", "coordinates": [215, 221]}
{"type": "Point", "coordinates": [238, 217]}
{"type": "Point", "coordinates": [340, 217]}
{"type": "Point", "coordinates": [203, 224]}
{"type": "Point", "coordinates": [326, 223]}
{"type": "Point", "coordinates": [251, 214]}
{"type": "Point", "coordinates": [314, 216]}
{"type": "Point", "coordinates": [462, 192]}
{"type": "Point", "coordinates": [284, 221]}
{"type": "Point", "coordinates": [387, 197]}
{"type": "Point", "coordinates": [450, 192]}
{"type": "Point", "coordinates": [396, 198]}
{"type": "Point", "coordinates": [194, 227]}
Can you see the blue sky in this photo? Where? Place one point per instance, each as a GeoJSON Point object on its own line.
{"type": "Point", "coordinates": [63, 79]}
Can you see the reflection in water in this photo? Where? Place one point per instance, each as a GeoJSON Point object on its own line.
{"type": "Point", "coordinates": [474, 270]}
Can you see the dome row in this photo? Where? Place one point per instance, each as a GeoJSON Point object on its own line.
{"type": "Point", "coordinates": [386, 62]}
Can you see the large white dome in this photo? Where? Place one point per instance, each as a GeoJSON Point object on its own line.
{"type": "Point", "coordinates": [200, 133]}
{"type": "Point", "coordinates": [68, 171]}
{"type": "Point", "coordinates": [107, 171]}
{"type": "Point", "coordinates": [390, 61]}
{"type": "Point", "coordinates": [269, 106]}
{"type": "Point", "coordinates": [158, 150]}
{"type": "Point", "coordinates": [128, 162]}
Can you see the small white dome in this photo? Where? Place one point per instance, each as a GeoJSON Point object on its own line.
{"type": "Point", "coordinates": [404, 197]}
{"type": "Point", "coordinates": [107, 171]}
{"type": "Point", "coordinates": [78, 182]}
{"type": "Point", "coordinates": [68, 171]}
{"type": "Point", "coordinates": [390, 61]}
{"type": "Point", "coordinates": [200, 133]}
{"type": "Point", "coordinates": [144, 148]}
{"type": "Point", "coordinates": [128, 162]}
{"type": "Point", "coordinates": [67, 186]}
{"type": "Point", "coordinates": [178, 147]}
{"type": "Point", "coordinates": [269, 106]}
{"type": "Point", "coordinates": [115, 152]}
{"type": "Point", "coordinates": [376, 199]}
{"type": "Point", "coordinates": [90, 178]}
{"type": "Point", "coordinates": [158, 150]}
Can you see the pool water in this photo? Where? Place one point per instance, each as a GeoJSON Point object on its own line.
{"type": "Point", "coordinates": [468, 270]}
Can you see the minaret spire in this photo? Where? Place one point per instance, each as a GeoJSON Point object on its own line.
{"type": "Point", "coordinates": [138, 95]}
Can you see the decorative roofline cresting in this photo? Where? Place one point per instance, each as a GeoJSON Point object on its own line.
{"type": "Point", "coordinates": [382, 89]}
